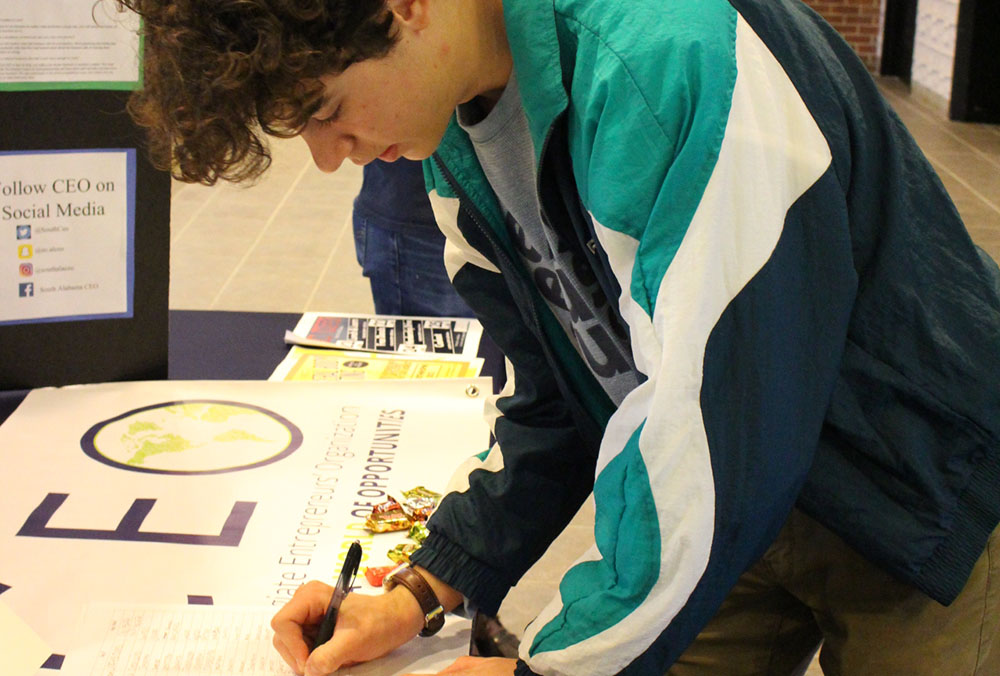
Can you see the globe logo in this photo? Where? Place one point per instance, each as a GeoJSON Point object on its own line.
{"type": "Point", "coordinates": [192, 437]}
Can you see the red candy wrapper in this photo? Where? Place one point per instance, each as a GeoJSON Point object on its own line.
{"type": "Point", "coordinates": [375, 575]}
{"type": "Point", "coordinates": [387, 517]}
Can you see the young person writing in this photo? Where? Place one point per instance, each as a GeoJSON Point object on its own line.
{"type": "Point", "coordinates": [739, 307]}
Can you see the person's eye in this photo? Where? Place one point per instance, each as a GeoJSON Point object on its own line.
{"type": "Point", "coordinates": [331, 118]}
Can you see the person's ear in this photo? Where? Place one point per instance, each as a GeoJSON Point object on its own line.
{"type": "Point", "coordinates": [411, 13]}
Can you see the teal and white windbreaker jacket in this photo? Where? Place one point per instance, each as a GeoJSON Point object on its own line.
{"type": "Point", "coordinates": [812, 324]}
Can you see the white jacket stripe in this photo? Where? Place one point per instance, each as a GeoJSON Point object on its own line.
{"type": "Point", "coordinates": [772, 153]}
{"type": "Point", "coordinates": [457, 250]}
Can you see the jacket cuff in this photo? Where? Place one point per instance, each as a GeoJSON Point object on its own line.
{"type": "Point", "coordinates": [483, 585]}
{"type": "Point", "coordinates": [522, 669]}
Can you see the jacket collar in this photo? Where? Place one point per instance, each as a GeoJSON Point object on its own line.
{"type": "Point", "coordinates": [531, 34]}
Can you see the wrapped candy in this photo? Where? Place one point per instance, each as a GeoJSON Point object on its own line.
{"type": "Point", "coordinates": [419, 509]}
{"type": "Point", "coordinates": [420, 502]}
{"type": "Point", "coordinates": [375, 574]}
{"type": "Point", "coordinates": [401, 552]}
{"type": "Point", "coordinates": [387, 517]}
{"type": "Point", "coordinates": [421, 492]}
{"type": "Point", "coordinates": [418, 532]}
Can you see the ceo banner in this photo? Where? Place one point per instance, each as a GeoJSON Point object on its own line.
{"type": "Point", "coordinates": [217, 492]}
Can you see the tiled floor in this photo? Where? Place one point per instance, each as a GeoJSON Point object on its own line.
{"type": "Point", "coordinates": [285, 245]}
{"type": "Point", "coordinates": [282, 245]}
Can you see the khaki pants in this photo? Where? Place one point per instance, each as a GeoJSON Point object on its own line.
{"type": "Point", "coordinates": [810, 587]}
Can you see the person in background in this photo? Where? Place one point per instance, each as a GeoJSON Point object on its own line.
{"type": "Point", "coordinates": [399, 246]}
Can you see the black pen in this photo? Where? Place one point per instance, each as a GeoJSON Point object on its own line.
{"type": "Point", "coordinates": [344, 584]}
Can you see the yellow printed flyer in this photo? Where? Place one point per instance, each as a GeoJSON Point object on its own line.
{"type": "Point", "coordinates": [320, 364]}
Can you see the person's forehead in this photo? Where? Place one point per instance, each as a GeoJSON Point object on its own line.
{"type": "Point", "coordinates": [366, 77]}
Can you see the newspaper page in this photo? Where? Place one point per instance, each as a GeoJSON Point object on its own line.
{"type": "Point", "coordinates": [389, 333]}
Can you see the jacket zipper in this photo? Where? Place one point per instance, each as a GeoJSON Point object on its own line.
{"type": "Point", "coordinates": [487, 232]}
{"type": "Point", "coordinates": [572, 398]}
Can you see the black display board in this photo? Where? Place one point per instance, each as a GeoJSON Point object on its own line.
{"type": "Point", "coordinates": [975, 82]}
{"type": "Point", "coordinates": [97, 350]}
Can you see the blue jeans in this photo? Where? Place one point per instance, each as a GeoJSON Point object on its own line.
{"type": "Point", "coordinates": [406, 272]}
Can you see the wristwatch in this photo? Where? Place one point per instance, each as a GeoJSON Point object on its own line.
{"type": "Point", "coordinates": [428, 600]}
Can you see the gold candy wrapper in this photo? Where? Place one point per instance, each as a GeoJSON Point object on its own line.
{"type": "Point", "coordinates": [401, 553]}
{"type": "Point", "coordinates": [388, 517]}
{"type": "Point", "coordinates": [421, 492]}
{"type": "Point", "coordinates": [419, 509]}
{"type": "Point", "coordinates": [419, 533]}
{"type": "Point", "coordinates": [420, 503]}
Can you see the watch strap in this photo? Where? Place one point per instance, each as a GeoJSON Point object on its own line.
{"type": "Point", "coordinates": [428, 600]}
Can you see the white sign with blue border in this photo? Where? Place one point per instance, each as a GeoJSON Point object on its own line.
{"type": "Point", "coordinates": [67, 225]}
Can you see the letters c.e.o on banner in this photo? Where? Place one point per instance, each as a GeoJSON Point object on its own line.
{"type": "Point", "coordinates": [189, 437]}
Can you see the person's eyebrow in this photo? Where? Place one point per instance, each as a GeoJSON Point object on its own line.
{"type": "Point", "coordinates": [318, 104]}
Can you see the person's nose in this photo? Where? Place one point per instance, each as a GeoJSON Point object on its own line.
{"type": "Point", "coordinates": [329, 146]}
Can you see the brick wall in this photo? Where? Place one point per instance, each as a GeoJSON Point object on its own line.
{"type": "Point", "coordinates": [859, 21]}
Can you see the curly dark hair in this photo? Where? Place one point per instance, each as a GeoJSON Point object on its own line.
{"type": "Point", "coordinates": [219, 74]}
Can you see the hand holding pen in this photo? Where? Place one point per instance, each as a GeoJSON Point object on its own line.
{"type": "Point", "coordinates": [344, 584]}
{"type": "Point", "coordinates": [367, 625]}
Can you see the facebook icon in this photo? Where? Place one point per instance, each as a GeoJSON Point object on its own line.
{"type": "Point", "coordinates": [26, 289]}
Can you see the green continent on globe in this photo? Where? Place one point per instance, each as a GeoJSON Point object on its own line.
{"type": "Point", "coordinates": [143, 426]}
{"type": "Point", "coordinates": [199, 430]}
{"type": "Point", "coordinates": [238, 435]}
{"type": "Point", "coordinates": [167, 443]}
